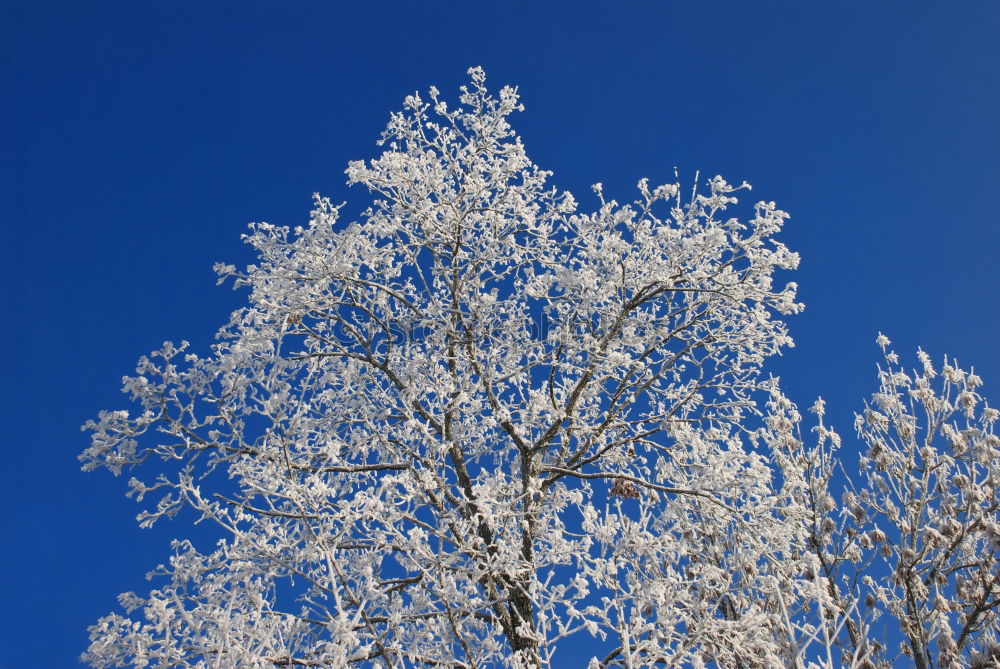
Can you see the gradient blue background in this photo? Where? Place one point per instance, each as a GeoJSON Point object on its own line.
{"type": "Point", "coordinates": [137, 139]}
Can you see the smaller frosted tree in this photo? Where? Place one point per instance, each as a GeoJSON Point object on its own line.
{"type": "Point", "coordinates": [919, 535]}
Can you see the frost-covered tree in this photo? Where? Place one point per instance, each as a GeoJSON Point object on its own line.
{"type": "Point", "coordinates": [479, 424]}
{"type": "Point", "coordinates": [921, 536]}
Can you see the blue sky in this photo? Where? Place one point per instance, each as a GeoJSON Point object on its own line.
{"type": "Point", "coordinates": [137, 140]}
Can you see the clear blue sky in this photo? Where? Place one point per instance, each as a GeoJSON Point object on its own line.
{"type": "Point", "coordinates": [137, 139]}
